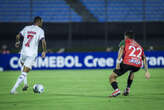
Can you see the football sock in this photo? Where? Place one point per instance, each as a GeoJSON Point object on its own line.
{"type": "Point", "coordinates": [114, 85]}
{"type": "Point", "coordinates": [25, 79]}
{"type": "Point", "coordinates": [129, 82]}
{"type": "Point", "coordinates": [22, 68]}
{"type": "Point", "coordinates": [19, 81]}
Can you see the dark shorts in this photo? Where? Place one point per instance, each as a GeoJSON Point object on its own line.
{"type": "Point", "coordinates": [124, 68]}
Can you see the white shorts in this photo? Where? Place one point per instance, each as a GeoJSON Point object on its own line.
{"type": "Point", "coordinates": [28, 61]}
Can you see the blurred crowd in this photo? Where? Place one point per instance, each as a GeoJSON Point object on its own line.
{"type": "Point", "coordinates": [4, 49]}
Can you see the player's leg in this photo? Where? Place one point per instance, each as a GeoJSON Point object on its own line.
{"type": "Point", "coordinates": [116, 73]}
{"type": "Point", "coordinates": [130, 80]}
{"type": "Point", "coordinates": [129, 83]}
{"type": "Point", "coordinates": [114, 84]}
{"type": "Point", "coordinates": [20, 79]}
{"type": "Point", "coordinates": [25, 79]}
{"type": "Point", "coordinates": [27, 66]}
{"type": "Point", "coordinates": [26, 69]}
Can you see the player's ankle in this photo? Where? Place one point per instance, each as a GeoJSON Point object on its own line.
{"type": "Point", "coordinates": [114, 85]}
{"type": "Point", "coordinates": [12, 91]}
{"type": "Point", "coordinates": [25, 85]}
{"type": "Point", "coordinates": [128, 88]}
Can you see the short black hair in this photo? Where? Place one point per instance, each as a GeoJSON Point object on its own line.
{"type": "Point", "coordinates": [129, 34]}
{"type": "Point", "coordinates": [37, 19]}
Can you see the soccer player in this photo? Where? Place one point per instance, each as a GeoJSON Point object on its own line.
{"type": "Point", "coordinates": [130, 57]}
{"type": "Point", "coordinates": [32, 35]}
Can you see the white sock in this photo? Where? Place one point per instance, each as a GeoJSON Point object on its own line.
{"type": "Point", "coordinates": [19, 81]}
{"type": "Point", "coordinates": [25, 79]}
{"type": "Point", "coordinates": [22, 68]}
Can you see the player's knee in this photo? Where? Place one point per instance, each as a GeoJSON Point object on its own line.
{"type": "Point", "coordinates": [26, 69]}
{"type": "Point", "coordinates": [112, 77]}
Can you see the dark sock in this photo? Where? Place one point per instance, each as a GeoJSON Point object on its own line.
{"type": "Point", "coordinates": [114, 85]}
{"type": "Point", "coordinates": [129, 83]}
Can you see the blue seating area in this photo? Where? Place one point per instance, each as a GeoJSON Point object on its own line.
{"type": "Point", "coordinates": [54, 11]}
{"type": "Point", "coordinates": [96, 7]}
{"type": "Point", "coordinates": [155, 10]}
{"type": "Point", "coordinates": [49, 10]}
{"type": "Point", "coordinates": [14, 11]}
{"type": "Point", "coordinates": [125, 10]}
{"type": "Point", "coordinates": [60, 11]}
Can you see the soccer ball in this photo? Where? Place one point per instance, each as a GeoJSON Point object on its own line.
{"type": "Point", "coordinates": [38, 88]}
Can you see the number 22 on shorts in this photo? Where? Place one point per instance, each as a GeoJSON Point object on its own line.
{"type": "Point", "coordinates": [30, 37]}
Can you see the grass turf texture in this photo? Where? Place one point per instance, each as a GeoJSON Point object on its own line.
{"type": "Point", "coordinates": [82, 90]}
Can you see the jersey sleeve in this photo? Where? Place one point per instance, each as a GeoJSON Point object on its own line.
{"type": "Point", "coordinates": [22, 32]}
{"type": "Point", "coordinates": [122, 43]}
{"type": "Point", "coordinates": [42, 35]}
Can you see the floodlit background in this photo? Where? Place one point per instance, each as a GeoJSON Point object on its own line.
{"type": "Point", "coordinates": [86, 33]}
{"type": "Point", "coordinates": [85, 25]}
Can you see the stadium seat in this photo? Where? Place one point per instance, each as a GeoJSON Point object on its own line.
{"type": "Point", "coordinates": [60, 11]}
{"type": "Point", "coordinates": [125, 10]}
{"type": "Point", "coordinates": [50, 11]}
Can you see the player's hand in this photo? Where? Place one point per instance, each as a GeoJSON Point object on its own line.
{"type": "Point", "coordinates": [17, 44]}
{"type": "Point", "coordinates": [118, 66]}
{"type": "Point", "coordinates": [43, 54]}
{"type": "Point", "coordinates": [147, 75]}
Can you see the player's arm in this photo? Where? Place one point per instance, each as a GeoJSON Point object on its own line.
{"type": "Point", "coordinates": [147, 74]}
{"type": "Point", "coordinates": [44, 48]}
{"type": "Point", "coordinates": [17, 43]}
{"type": "Point", "coordinates": [18, 36]}
{"type": "Point", "coordinates": [120, 53]}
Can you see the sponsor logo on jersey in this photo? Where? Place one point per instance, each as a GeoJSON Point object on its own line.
{"type": "Point", "coordinates": [137, 62]}
{"type": "Point", "coordinates": [31, 32]}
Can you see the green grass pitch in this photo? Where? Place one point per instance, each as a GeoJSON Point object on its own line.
{"type": "Point", "coordinates": [82, 90]}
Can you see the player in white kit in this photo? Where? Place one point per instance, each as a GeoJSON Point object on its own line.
{"type": "Point", "coordinates": [32, 35]}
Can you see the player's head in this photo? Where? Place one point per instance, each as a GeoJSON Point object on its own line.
{"type": "Point", "coordinates": [129, 34]}
{"type": "Point", "coordinates": [38, 21]}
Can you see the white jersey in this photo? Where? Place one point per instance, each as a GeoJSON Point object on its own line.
{"type": "Point", "coordinates": [32, 35]}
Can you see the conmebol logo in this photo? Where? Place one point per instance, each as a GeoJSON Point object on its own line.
{"type": "Point", "coordinates": [79, 61]}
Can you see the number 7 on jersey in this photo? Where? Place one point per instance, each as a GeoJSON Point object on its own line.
{"type": "Point", "coordinates": [30, 37]}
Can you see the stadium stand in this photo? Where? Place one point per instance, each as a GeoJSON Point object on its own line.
{"type": "Point", "coordinates": [154, 10]}
{"type": "Point", "coordinates": [54, 11]}
{"type": "Point", "coordinates": [23, 11]}
{"type": "Point", "coordinates": [96, 7]}
{"type": "Point", "coordinates": [126, 10]}
{"type": "Point", "coordinates": [102, 10]}
{"type": "Point", "coordinates": [14, 11]}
